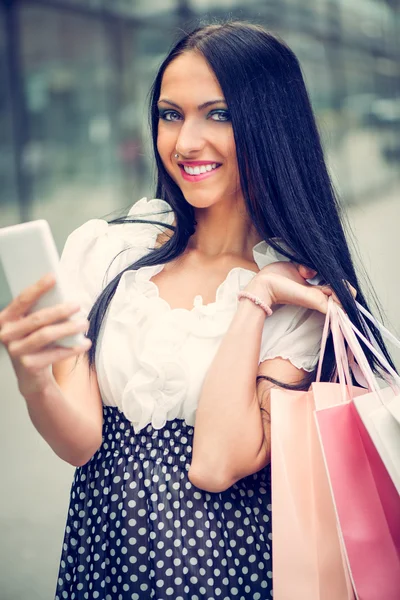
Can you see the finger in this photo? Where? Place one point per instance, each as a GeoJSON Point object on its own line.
{"type": "Point", "coordinates": [353, 290]}
{"type": "Point", "coordinates": [327, 290]}
{"type": "Point", "coordinates": [13, 330]}
{"type": "Point", "coordinates": [21, 305]}
{"type": "Point", "coordinates": [41, 360]}
{"type": "Point", "coordinates": [317, 299]}
{"type": "Point", "coordinates": [38, 340]}
{"type": "Point", "coordinates": [306, 272]}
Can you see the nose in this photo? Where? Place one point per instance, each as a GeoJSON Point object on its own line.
{"type": "Point", "coordinates": [190, 139]}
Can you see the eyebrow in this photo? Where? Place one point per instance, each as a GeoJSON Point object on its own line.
{"type": "Point", "coordinates": [200, 107]}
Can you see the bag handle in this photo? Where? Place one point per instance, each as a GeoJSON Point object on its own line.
{"type": "Point", "coordinates": [342, 365]}
{"type": "Point", "coordinates": [385, 332]}
{"type": "Point", "coordinates": [348, 331]}
{"type": "Point", "coordinates": [354, 344]}
{"type": "Point", "coordinates": [366, 369]}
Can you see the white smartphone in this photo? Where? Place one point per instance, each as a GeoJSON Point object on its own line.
{"type": "Point", "coordinates": [27, 252]}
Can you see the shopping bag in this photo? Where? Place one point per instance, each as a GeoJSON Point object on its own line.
{"type": "Point", "coordinates": [379, 410]}
{"type": "Point", "coordinates": [308, 559]}
{"type": "Point", "coordinates": [366, 501]}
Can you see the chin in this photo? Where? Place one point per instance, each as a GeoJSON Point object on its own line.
{"type": "Point", "coordinates": [201, 200]}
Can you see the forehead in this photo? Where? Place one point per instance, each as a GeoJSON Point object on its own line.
{"type": "Point", "coordinates": [189, 74]}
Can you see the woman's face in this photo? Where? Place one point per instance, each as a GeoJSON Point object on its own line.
{"type": "Point", "coordinates": [195, 123]}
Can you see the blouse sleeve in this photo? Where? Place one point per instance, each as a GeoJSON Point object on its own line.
{"type": "Point", "coordinates": [96, 252]}
{"type": "Point", "coordinates": [293, 333]}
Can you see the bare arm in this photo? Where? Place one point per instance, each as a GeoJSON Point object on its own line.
{"type": "Point", "coordinates": [67, 411]}
{"type": "Point", "coordinates": [65, 407]}
{"type": "Point", "coordinates": [232, 434]}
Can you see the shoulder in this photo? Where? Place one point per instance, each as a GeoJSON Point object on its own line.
{"type": "Point", "coordinates": [98, 250]}
{"type": "Point", "coordinates": [139, 229]}
{"type": "Point", "coordinates": [129, 229]}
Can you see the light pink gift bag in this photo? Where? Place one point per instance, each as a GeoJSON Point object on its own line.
{"type": "Point", "coordinates": [308, 560]}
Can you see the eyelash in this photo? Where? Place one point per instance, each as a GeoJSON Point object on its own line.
{"type": "Point", "coordinates": [164, 113]}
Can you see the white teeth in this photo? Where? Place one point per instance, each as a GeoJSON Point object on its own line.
{"type": "Point", "coordinates": [199, 170]}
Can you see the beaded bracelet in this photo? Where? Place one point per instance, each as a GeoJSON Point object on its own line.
{"type": "Point", "coordinates": [267, 309]}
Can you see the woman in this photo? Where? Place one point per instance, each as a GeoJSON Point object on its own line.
{"type": "Point", "coordinates": [198, 303]}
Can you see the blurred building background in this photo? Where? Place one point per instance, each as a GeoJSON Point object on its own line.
{"type": "Point", "coordinates": [74, 79]}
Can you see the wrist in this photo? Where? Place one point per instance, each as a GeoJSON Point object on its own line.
{"type": "Point", "coordinates": [259, 286]}
{"type": "Point", "coordinates": [249, 315]}
{"type": "Point", "coordinates": [256, 300]}
{"type": "Point", "coordinates": [37, 387]}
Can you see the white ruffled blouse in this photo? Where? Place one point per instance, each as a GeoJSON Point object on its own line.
{"type": "Point", "coordinates": [151, 360]}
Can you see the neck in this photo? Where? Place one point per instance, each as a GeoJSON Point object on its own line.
{"type": "Point", "coordinates": [223, 230]}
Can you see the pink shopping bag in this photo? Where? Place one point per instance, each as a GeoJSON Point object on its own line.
{"type": "Point", "coordinates": [380, 409]}
{"type": "Point", "coordinates": [308, 561]}
{"type": "Point", "coordinates": [366, 500]}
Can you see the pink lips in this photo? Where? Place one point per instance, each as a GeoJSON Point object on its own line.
{"type": "Point", "coordinates": [201, 176]}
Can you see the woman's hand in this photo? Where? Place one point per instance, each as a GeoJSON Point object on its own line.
{"type": "Point", "coordinates": [28, 337]}
{"type": "Point", "coordinates": [285, 282]}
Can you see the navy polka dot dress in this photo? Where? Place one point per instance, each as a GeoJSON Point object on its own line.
{"type": "Point", "coordinates": [138, 529]}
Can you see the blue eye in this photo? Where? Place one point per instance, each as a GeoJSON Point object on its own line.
{"type": "Point", "coordinates": [223, 115]}
{"type": "Point", "coordinates": [169, 115]}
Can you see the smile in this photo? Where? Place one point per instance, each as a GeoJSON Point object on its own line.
{"type": "Point", "coordinates": [199, 172]}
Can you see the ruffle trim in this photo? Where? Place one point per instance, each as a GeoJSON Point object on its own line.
{"type": "Point", "coordinates": [157, 390]}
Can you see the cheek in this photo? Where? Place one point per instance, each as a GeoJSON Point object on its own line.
{"type": "Point", "coordinates": [165, 142]}
{"type": "Point", "coordinates": [161, 144]}
{"type": "Point", "coordinates": [230, 151]}
{"type": "Point", "coordinates": [166, 150]}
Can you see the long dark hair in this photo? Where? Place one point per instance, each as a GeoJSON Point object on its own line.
{"type": "Point", "coordinates": [283, 175]}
